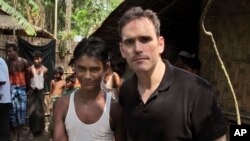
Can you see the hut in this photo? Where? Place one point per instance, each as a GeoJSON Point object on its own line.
{"type": "Point", "coordinates": [229, 22]}
{"type": "Point", "coordinates": [10, 28]}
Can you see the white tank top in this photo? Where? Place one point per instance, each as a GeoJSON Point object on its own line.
{"type": "Point", "coordinates": [109, 84]}
{"type": "Point", "coordinates": [37, 81]}
{"type": "Point", "coordinates": [79, 131]}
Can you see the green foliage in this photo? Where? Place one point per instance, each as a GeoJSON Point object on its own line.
{"type": "Point", "coordinates": [21, 20]}
{"type": "Point", "coordinates": [62, 49]}
{"type": "Point", "coordinates": [88, 16]}
{"type": "Point", "coordinates": [21, 5]}
{"type": "Point", "coordinates": [35, 8]}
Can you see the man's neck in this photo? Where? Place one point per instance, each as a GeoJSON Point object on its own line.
{"type": "Point", "coordinates": [38, 66]}
{"type": "Point", "coordinates": [148, 82]}
{"type": "Point", "coordinates": [89, 95]}
{"type": "Point", "coordinates": [152, 78]}
{"type": "Point", "coordinates": [15, 58]}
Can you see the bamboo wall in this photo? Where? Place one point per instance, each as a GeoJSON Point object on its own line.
{"type": "Point", "coordinates": [229, 21]}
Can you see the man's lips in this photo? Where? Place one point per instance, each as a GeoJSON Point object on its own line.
{"type": "Point", "coordinates": [87, 83]}
{"type": "Point", "coordinates": [139, 58]}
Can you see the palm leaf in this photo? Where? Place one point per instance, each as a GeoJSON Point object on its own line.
{"type": "Point", "coordinates": [28, 28]}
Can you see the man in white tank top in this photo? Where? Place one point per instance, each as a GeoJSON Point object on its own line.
{"type": "Point", "coordinates": [37, 75]}
{"type": "Point", "coordinates": [89, 114]}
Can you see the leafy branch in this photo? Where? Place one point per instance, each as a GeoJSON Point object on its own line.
{"type": "Point", "coordinates": [20, 19]}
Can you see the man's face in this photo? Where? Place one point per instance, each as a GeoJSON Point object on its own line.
{"type": "Point", "coordinates": [140, 45]}
{"type": "Point", "coordinates": [11, 53]}
{"type": "Point", "coordinates": [69, 84]}
{"type": "Point", "coordinates": [89, 71]}
{"type": "Point", "coordinates": [38, 61]}
{"type": "Point", "coordinates": [57, 75]}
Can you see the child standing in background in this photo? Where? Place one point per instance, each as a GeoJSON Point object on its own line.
{"type": "Point", "coordinates": [70, 85]}
{"type": "Point", "coordinates": [57, 85]}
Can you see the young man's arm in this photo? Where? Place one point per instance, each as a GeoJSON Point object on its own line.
{"type": "Point", "coordinates": [117, 82]}
{"type": "Point", "coordinates": [45, 72]}
{"type": "Point", "coordinates": [59, 112]}
{"type": "Point", "coordinates": [51, 87]}
{"type": "Point", "coordinates": [117, 123]}
{"type": "Point", "coordinates": [27, 77]}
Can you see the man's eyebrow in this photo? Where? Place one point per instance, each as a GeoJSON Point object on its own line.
{"type": "Point", "coordinates": [130, 38]}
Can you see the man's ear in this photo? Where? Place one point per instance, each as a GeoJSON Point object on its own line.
{"type": "Point", "coordinates": [121, 50]}
{"type": "Point", "coordinates": [161, 44]}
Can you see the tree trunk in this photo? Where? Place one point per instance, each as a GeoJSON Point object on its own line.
{"type": "Point", "coordinates": [68, 16]}
{"type": "Point", "coordinates": [55, 25]}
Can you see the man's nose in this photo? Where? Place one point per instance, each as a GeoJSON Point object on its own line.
{"type": "Point", "coordinates": [87, 75]}
{"type": "Point", "coordinates": [138, 46]}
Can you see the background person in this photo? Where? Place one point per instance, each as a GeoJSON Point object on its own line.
{"type": "Point", "coordinates": [18, 67]}
{"type": "Point", "coordinates": [111, 81]}
{"type": "Point", "coordinates": [57, 85]}
{"type": "Point", "coordinates": [70, 85]}
{"type": "Point", "coordinates": [189, 62]}
{"type": "Point", "coordinates": [5, 102]}
{"type": "Point", "coordinates": [38, 73]}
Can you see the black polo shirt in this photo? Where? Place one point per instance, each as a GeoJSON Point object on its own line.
{"type": "Point", "coordinates": [182, 108]}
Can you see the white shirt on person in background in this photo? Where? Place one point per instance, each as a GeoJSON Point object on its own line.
{"type": "Point", "coordinates": [4, 77]}
{"type": "Point", "coordinates": [37, 81]}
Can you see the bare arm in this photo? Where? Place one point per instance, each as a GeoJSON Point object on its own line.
{"type": "Point", "coordinates": [117, 82]}
{"type": "Point", "coordinates": [45, 72]}
{"type": "Point", "coordinates": [117, 123]}
{"type": "Point", "coordinates": [59, 112]}
{"type": "Point", "coordinates": [51, 87]}
{"type": "Point", "coordinates": [27, 77]}
{"type": "Point", "coordinates": [223, 138]}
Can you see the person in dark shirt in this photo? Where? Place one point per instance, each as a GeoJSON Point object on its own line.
{"type": "Point", "coordinates": [161, 102]}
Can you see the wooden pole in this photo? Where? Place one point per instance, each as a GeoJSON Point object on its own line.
{"type": "Point", "coordinates": [55, 24]}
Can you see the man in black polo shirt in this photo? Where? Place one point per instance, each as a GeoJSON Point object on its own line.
{"type": "Point", "coordinates": [162, 102]}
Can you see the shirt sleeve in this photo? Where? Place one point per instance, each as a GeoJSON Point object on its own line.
{"type": "Point", "coordinates": [2, 74]}
{"type": "Point", "coordinates": [207, 119]}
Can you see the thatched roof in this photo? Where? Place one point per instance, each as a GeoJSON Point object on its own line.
{"type": "Point", "coordinates": [9, 25]}
{"type": "Point", "coordinates": [179, 23]}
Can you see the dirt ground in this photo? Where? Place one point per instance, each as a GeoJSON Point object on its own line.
{"type": "Point", "coordinates": [24, 136]}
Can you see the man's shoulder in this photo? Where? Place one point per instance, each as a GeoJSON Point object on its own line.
{"type": "Point", "coordinates": [129, 81]}
{"type": "Point", "coordinates": [187, 77]}
{"type": "Point", "coordinates": [44, 67]}
{"type": "Point", "coordinates": [129, 85]}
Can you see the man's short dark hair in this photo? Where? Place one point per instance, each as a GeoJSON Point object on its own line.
{"type": "Point", "coordinates": [12, 45]}
{"type": "Point", "coordinates": [71, 78]}
{"type": "Point", "coordinates": [93, 47]}
{"type": "Point", "coordinates": [59, 70]}
{"type": "Point", "coordinates": [37, 54]}
{"type": "Point", "coordinates": [136, 13]}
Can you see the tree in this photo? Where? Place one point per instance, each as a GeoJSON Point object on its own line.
{"type": "Point", "coordinates": [89, 14]}
{"type": "Point", "coordinates": [21, 20]}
